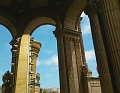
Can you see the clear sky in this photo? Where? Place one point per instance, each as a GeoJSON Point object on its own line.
{"type": "Point", "coordinates": [47, 62]}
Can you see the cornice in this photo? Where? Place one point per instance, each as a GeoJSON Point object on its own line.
{"type": "Point", "coordinates": [69, 32]}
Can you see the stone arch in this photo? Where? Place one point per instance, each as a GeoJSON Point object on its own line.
{"type": "Point", "coordinates": [73, 14]}
{"type": "Point", "coordinates": [32, 25]}
{"type": "Point", "coordinates": [9, 25]}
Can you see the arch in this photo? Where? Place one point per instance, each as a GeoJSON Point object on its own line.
{"type": "Point", "coordinates": [9, 25]}
{"type": "Point", "coordinates": [31, 26]}
{"type": "Point", "coordinates": [73, 14]}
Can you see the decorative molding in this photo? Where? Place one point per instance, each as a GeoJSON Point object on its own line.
{"type": "Point", "coordinates": [93, 7]}
{"type": "Point", "coordinates": [59, 32]}
{"type": "Point", "coordinates": [68, 39]}
{"type": "Point", "coordinates": [72, 32]}
{"type": "Point", "coordinates": [77, 41]}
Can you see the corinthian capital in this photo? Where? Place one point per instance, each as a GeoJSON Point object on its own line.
{"type": "Point", "coordinates": [92, 7]}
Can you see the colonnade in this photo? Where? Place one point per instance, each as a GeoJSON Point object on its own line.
{"type": "Point", "coordinates": [71, 62]}
{"type": "Point", "coordinates": [104, 18]}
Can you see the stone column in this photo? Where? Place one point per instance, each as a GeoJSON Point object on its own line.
{"type": "Point", "coordinates": [25, 65]}
{"type": "Point", "coordinates": [73, 81]}
{"type": "Point", "coordinates": [102, 62]}
{"type": "Point", "coordinates": [35, 48]}
{"type": "Point", "coordinates": [70, 61]}
{"type": "Point", "coordinates": [109, 18]}
{"type": "Point", "coordinates": [61, 61]}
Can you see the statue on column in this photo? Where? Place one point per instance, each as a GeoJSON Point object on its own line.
{"type": "Point", "coordinates": [37, 77]}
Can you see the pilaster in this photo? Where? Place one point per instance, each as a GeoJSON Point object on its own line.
{"type": "Point", "coordinates": [102, 61]}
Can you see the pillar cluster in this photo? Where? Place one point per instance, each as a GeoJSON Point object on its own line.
{"type": "Point", "coordinates": [70, 61]}
{"type": "Point", "coordinates": [23, 68]}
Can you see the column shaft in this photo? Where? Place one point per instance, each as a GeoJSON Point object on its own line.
{"type": "Point", "coordinates": [110, 27]}
{"type": "Point", "coordinates": [102, 63]}
{"type": "Point", "coordinates": [71, 66]}
{"type": "Point", "coordinates": [61, 60]}
{"type": "Point", "coordinates": [70, 61]}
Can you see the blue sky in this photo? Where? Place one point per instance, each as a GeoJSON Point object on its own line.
{"type": "Point", "coordinates": [47, 62]}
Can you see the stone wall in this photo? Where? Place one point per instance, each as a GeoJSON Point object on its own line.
{"type": "Point", "coordinates": [93, 83]}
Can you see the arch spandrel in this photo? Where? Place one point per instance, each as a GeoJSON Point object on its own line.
{"type": "Point", "coordinates": [73, 14]}
{"type": "Point", "coordinates": [32, 25]}
{"type": "Point", "coordinates": [9, 25]}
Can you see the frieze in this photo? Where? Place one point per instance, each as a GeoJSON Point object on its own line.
{"type": "Point", "coordinates": [71, 39]}
{"type": "Point", "coordinates": [59, 32]}
{"type": "Point", "coordinates": [72, 32]}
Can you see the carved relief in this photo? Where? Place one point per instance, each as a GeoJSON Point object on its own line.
{"type": "Point", "coordinates": [68, 40]}
{"type": "Point", "coordinates": [76, 41]}
{"type": "Point", "coordinates": [93, 7]}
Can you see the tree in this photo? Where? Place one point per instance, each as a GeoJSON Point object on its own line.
{"type": "Point", "coordinates": [45, 91]}
{"type": "Point", "coordinates": [54, 92]}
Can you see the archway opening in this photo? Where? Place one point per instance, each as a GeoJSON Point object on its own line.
{"type": "Point", "coordinates": [5, 51]}
{"type": "Point", "coordinates": [88, 45]}
{"type": "Point", "coordinates": [47, 63]}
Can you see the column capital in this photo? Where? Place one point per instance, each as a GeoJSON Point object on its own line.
{"type": "Point", "coordinates": [72, 32]}
{"type": "Point", "coordinates": [92, 7]}
{"type": "Point", "coordinates": [35, 47]}
{"type": "Point", "coordinates": [58, 32]}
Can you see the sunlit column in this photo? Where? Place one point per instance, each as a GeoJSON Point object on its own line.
{"type": "Point", "coordinates": [102, 62]}
{"type": "Point", "coordinates": [109, 17]}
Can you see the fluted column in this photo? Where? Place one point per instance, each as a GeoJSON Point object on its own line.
{"type": "Point", "coordinates": [71, 65]}
{"type": "Point", "coordinates": [109, 18]}
{"type": "Point", "coordinates": [61, 61]}
{"type": "Point", "coordinates": [102, 62]}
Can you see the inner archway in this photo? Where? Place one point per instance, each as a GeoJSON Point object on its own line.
{"type": "Point", "coordinates": [88, 44]}
{"type": "Point", "coordinates": [5, 53]}
{"type": "Point", "coordinates": [47, 63]}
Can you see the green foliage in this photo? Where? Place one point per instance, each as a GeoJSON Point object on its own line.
{"type": "Point", "coordinates": [0, 89]}
{"type": "Point", "coordinates": [45, 91]}
{"type": "Point", "coordinates": [54, 92]}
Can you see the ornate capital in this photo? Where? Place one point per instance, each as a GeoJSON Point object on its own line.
{"type": "Point", "coordinates": [68, 39]}
{"type": "Point", "coordinates": [64, 32]}
{"type": "Point", "coordinates": [93, 7]}
{"type": "Point", "coordinates": [58, 32]}
{"type": "Point", "coordinates": [76, 41]}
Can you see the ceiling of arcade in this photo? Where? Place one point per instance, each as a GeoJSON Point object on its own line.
{"type": "Point", "coordinates": [23, 16]}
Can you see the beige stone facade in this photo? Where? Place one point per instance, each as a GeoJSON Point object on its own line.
{"type": "Point", "coordinates": [93, 83]}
